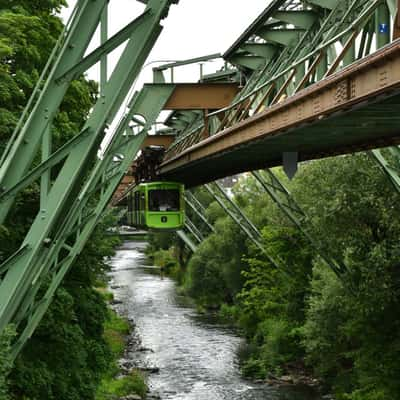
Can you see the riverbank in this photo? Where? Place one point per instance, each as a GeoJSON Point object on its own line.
{"type": "Point", "coordinates": [290, 374]}
{"type": "Point", "coordinates": [119, 382]}
{"type": "Point", "coordinates": [193, 357]}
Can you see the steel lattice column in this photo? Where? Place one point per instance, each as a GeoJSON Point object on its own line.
{"type": "Point", "coordinates": [288, 205]}
{"type": "Point", "coordinates": [85, 184]}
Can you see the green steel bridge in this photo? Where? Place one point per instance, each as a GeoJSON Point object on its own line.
{"type": "Point", "coordinates": [306, 80]}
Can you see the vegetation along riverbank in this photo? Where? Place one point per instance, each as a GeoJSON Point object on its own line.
{"type": "Point", "coordinates": [71, 351]}
{"type": "Point", "coordinates": [116, 383]}
{"type": "Point", "coordinates": [300, 316]}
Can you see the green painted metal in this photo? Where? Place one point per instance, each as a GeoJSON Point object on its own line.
{"type": "Point", "coordinates": [285, 37]}
{"type": "Point", "coordinates": [85, 183]}
{"type": "Point", "coordinates": [192, 233]}
{"type": "Point", "coordinates": [158, 72]}
{"type": "Point", "coordinates": [192, 228]}
{"type": "Point", "coordinates": [237, 215]}
{"type": "Point", "coordinates": [264, 50]}
{"type": "Point", "coordinates": [106, 48]}
{"type": "Point", "coordinates": [388, 159]}
{"type": "Point", "coordinates": [197, 207]}
{"type": "Point", "coordinates": [45, 181]}
{"type": "Point", "coordinates": [342, 33]}
{"type": "Point", "coordinates": [390, 164]}
{"type": "Point", "coordinates": [29, 134]}
{"type": "Point", "coordinates": [252, 62]}
{"type": "Point", "coordinates": [82, 217]}
{"type": "Point", "coordinates": [329, 4]}
{"type": "Point", "coordinates": [45, 167]}
{"type": "Point", "coordinates": [104, 58]}
{"type": "Point", "coordinates": [187, 240]}
{"type": "Point", "coordinates": [303, 19]}
{"type": "Point", "coordinates": [383, 25]}
{"type": "Point", "coordinates": [392, 4]}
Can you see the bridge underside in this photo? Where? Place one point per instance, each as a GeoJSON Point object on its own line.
{"type": "Point", "coordinates": [353, 110]}
{"type": "Point", "coordinates": [362, 128]}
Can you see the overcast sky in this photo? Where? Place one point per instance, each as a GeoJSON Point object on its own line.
{"type": "Point", "coordinates": [193, 28]}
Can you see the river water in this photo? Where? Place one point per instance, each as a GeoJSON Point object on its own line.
{"type": "Point", "coordinates": [196, 357]}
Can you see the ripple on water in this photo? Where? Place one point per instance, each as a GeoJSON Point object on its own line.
{"type": "Point", "coordinates": [197, 359]}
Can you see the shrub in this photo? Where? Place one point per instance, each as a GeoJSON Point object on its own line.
{"type": "Point", "coordinates": [133, 383]}
{"type": "Point", "coordinates": [5, 362]}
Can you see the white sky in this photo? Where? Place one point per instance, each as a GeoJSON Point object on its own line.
{"type": "Point", "coordinates": [193, 28]}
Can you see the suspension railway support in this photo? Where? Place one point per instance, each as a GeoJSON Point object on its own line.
{"type": "Point", "coordinates": [389, 159]}
{"type": "Point", "coordinates": [198, 209]}
{"type": "Point", "coordinates": [78, 196]}
{"type": "Point", "coordinates": [288, 205]}
{"type": "Point", "coordinates": [192, 233]}
{"type": "Point", "coordinates": [238, 216]}
{"type": "Point", "coordinates": [300, 95]}
{"type": "Point", "coordinates": [183, 235]}
{"type": "Point", "coordinates": [311, 74]}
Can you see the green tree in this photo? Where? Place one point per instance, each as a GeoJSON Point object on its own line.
{"type": "Point", "coordinates": [214, 271]}
{"type": "Point", "coordinates": [28, 32]}
{"type": "Point", "coordinates": [67, 355]}
{"type": "Point", "coordinates": [5, 361]}
{"type": "Point", "coordinates": [352, 336]}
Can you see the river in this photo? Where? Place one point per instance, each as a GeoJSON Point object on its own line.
{"type": "Point", "coordinates": [196, 357]}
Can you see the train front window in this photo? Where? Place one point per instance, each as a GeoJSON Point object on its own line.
{"type": "Point", "coordinates": [164, 200]}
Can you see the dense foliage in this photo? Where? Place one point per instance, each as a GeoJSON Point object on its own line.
{"type": "Point", "coordinates": [112, 385]}
{"type": "Point", "coordinates": [5, 361]}
{"type": "Point", "coordinates": [68, 355]}
{"type": "Point", "coordinates": [28, 32]}
{"type": "Point", "coordinates": [301, 316]}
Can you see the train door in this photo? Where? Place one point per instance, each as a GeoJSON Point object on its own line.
{"type": "Point", "coordinates": [131, 210]}
{"type": "Point", "coordinates": [137, 210]}
{"type": "Point", "coordinates": [142, 207]}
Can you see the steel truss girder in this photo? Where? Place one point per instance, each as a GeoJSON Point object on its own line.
{"type": "Point", "coordinates": [314, 56]}
{"type": "Point", "coordinates": [30, 132]}
{"type": "Point", "coordinates": [106, 48]}
{"type": "Point", "coordinates": [43, 167]}
{"type": "Point", "coordinates": [81, 191]}
{"type": "Point", "coordinates": [198, 208]}
{"type": "Point", "coordinates": [187, 240]}
{"type": "Point", "coordinates": [389, 162]}
{"type": "Point", "coordinates": [190, 230]}
{"type": "Point", "coordinates": [83, 216]}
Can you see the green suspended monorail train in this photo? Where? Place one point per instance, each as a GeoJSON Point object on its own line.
{"type": "Point", "coordinates": [157, 205]}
